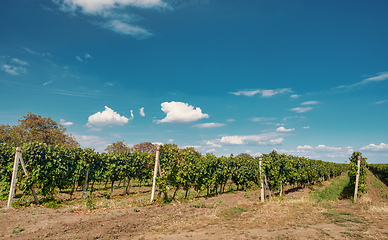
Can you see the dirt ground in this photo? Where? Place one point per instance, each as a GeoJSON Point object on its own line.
{"type": "Point", "coordinates": [234, 215]}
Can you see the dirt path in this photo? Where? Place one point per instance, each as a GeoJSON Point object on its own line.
{"type": "Point", "coordinates": [238, 215]}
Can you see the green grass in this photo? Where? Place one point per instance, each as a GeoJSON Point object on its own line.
{"type": "Point", "coordinates": [333, 191]}
{"type": "Point", "coordinates": [341, 217]}
{"type": "Point", "coordinates": [233, 212]}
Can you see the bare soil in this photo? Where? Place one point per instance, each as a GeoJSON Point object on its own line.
{"type": "Point", "coordinates": [233, 215]}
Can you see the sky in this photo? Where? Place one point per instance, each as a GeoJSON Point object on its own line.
{"type": "Point", "coordinates": [306, 78]}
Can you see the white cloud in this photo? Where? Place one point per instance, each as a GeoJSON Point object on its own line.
{"type": "Point", "coordinates": [209, 125]}
{"type": "Point", "coordinates": [211, 150]}
{"type": "Point", "coordinates": [132, 114]}
{"type": "Point", "coordinates": [294, 96]}
{"type": "Point", "coordinates": [64, 123]}
{"type": "Point", "coordinates": [231, 120]}
{"type": "Point", "coordinates": [213, 144]}
{"type": "Point", "coordinates": [107, 118]}
{"type": "Point", "coordinates": [15, 66]}
{"type": "Point", "coordinates": [378, 78]}
{"type": "Point", "coordinates": [264, 93]}
{"type": "Point", "coordinates": [46, 83]}
{"type": "Point", "coordinates": [305, 147]}
{"type": "Point", "coordinates": [282, 129]}
{"type": "Point", "coordinates": [260, 139]}
{"type": "Point", "coordinates": [179, 112]}
{"type": "Point", "coordinates": [115, 15]}
{"type": "Point", "coordinates": [323, 148]}
{"type": "Point", "coordinates": [256, 154]}
{"type": "Point", "coordinates": [310, 103]}
{"type": "Point", "coordinates": [142, 112]}
{"type": "Point", "coordinates": [126, 29]}
{"type": "Point", "coordinates": [306, 127]}
{"type": "Point", "coordinates": [19, 62]}
{"type": "Point", "coordinates": [14, 70]}
{"type": "Point", "coordinates": [170, 140]}
{"type": "Point", "coordinates": [321, 152]}
{"type": "Point", "coordinates": [301, 109]}
{"type": "Point", "coordinates": [103, 6]}
{"type": "Point", "coordinates": [248, 93]}
{"type": "Point", "coordinates": [375, 148]}
{"type": "Point", "coordinates": [90, 141]}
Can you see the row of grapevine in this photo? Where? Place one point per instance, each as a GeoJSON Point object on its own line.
{"type": "Point", "coordinates": [283, 169]}
{"type": "Point", "coordinates": [52, 168]}
{"type": "Point", "coordinates": [56, 167]}
{"type": "Point", "coordinates": [380, 170]}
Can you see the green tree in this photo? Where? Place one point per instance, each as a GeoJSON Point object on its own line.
{"type": "Point", "coordinates": [35, 128]}
{"type": "Point", "coordinates": [118, 147]}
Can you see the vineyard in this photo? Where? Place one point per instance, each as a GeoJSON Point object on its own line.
{"type": "Point", "coordinates": [54, 168]}
{"type": "Point", "coordinates": [199, 196]}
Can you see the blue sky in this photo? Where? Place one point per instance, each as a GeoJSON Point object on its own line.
{"type": "Point", "coordinates": [307, 78]}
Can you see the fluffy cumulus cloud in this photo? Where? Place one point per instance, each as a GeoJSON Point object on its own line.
{"type": "Point", "coordinates": [179, 112]}
{"type": "Point", "coordinates": [259, 139]}
{"type": "Point", "coordinates": [264, 93]}
{"type": "Point", "coordinates": [382, 147]}
{"type": "Point", "coordinates": [209, 125]}
{"type": "Point", "coordinates": [283, 129]}
{"type": "Point", "coordinates": [115, 15]}
{"type": "Point", "coordinates": [107, 118]}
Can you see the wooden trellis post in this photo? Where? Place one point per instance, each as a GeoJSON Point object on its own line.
{"type": "Point", "coordinates": [18, 157]}
{"type": "Point", "coordinates": [262, 182]}
{"type": "Point", "coordinates": [156, 170]}
{"type": "Point", "coordinates": [357, 177]}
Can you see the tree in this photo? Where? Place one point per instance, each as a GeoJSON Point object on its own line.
{"type": "Point", "coordinates": [145, 147]}
{"type": "Point", "coordinates": [118, 147]}
{"type": "Point", "coordinates": [35, 128]}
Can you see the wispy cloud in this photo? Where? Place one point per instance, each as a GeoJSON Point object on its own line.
{"type": "Point", "coordinates": [261, 119]}
{"type": "Point", "coordinates": [14, 66]}
{"type": "Point", "coordinates": [378, 78]}
{"type": "Point", "coordinates": [264, 93]}
{"type": "Point", "coordinates": [85, 58]}
{"type": "Point", "coordinates": [381, 102]}
{"type": "Point", "coordinates": [115, 15]}
{"type": "Point", "coordinates": [209, 125]}
{"type": "Point", "coordinates": [310, 103]}
{"type": "Point", "coordinates": [301, 109]}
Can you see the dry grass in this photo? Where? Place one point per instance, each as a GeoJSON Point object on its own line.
{"type": "Point", "coordinates": [367, 204]}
